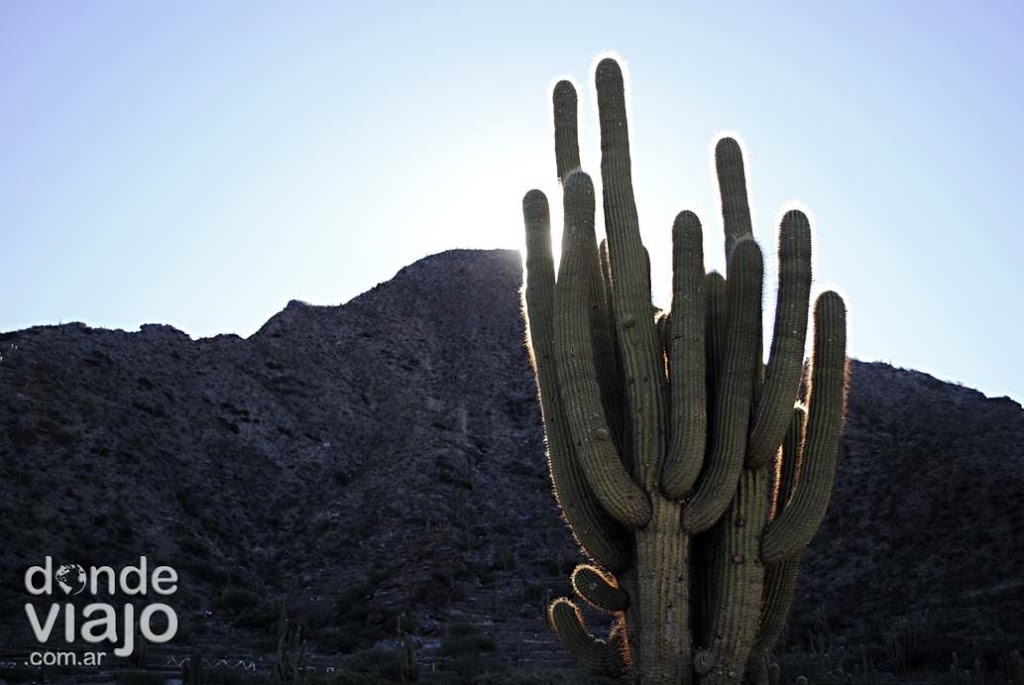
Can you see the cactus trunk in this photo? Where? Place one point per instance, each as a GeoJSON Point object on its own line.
{"type": "Point", "coordinates": [659, 634]}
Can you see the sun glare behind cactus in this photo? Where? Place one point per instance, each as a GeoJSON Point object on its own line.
{"type": "Point", "coordinates": [464, 213]}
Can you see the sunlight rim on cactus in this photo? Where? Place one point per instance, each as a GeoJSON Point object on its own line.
{"type": "Point", "coordinates": [688, 471]}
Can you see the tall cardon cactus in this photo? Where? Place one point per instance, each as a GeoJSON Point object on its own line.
{"type": "Point", "coordinates": [689, 471]}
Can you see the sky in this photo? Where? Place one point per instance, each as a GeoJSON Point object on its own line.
{"type": "Point", "coordinates": [201, 164]}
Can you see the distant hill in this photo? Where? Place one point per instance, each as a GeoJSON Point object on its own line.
{"type": "Point", "coordinates": [386, 457]}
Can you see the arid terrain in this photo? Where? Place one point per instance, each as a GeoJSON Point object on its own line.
{"type": "Point", "coordinates": [379, 466]}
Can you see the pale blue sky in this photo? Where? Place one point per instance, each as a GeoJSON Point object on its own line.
{"type": "Point", "coordinates": [200, 164]}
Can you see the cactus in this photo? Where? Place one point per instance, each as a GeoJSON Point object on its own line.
{"type": "Point", "coordinates": [1014, 666]}
{"type": "Point", "coordinates": [665, 432]}
{"type": "Point", "coordinates": [290, 668]}
{"type": "Point", "coordinates": [408, 670]}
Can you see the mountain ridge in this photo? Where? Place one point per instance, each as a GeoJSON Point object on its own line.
{"type": "Point", "coordinates": [385, 457]}
{"type": "Point", "coordinates": [156, 327]}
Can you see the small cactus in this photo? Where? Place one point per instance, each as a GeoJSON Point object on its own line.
{"type": "Point", "coordinates": [408, 670]}
{"type": "Point", "coordinates": [291, 652]}
{"type": "Point", "coordinates": [1015, 668]}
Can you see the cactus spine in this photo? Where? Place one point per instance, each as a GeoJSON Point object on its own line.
{"type": "Point", "coordinates": [686, 475]}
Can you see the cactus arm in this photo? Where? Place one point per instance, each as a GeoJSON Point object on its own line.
{"type": "Point", "coordinates": [608, 312]}
{"type": "Point", "coordinates": [638, 344]}
{"type": "Point", "coordinates": [686, 356]}
{"type": "Point", "coordinates": [611, 365]}
{"type": "Point", "coordinates": [715, 325]}
{"type": "Point", "coordinates": [567, 160]}
{"type": "Point", "coordinates": [599, 589]}
{"type": "Point", "coordinates": [732, 187]}
{"type": "Point", "coordinates": [733, 395]}
{"type": "Point", "coordinates": [567, 147]}
{"type": "Point", "coordinates": [785, 365]}
{"type": "Point", "coordinates": [575, 299]}
{"type": "Point", "coordinates": [795, 526]}
{"type": "Point", "coordinates": [781, 576]}
{"type": "Point", "coordinates": [787, 466]}
{"type": "Point", "coordinates": [607, 364]}
{"type": "Point", "coordinates": [603, 656]}
{"type": "Point", "coordinates": [597, 533]}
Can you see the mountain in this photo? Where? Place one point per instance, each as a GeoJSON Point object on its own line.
{"type": "Point", "coordinates": [380, 465]}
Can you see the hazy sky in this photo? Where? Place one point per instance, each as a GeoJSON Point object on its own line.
{"type": "Point", "coordinates": [200, 164]}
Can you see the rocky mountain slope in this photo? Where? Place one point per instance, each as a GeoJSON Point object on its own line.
{"type": "Point", "coordinates": [385, 458]}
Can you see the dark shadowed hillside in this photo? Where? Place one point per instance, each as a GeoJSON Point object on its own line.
{"type": "Point", "coordinates": [386, 458]}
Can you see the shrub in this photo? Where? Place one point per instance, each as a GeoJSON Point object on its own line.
{"type": "Point", "coordinates": [468, 645]}
{"type": "Point", "coordinates": [236, 599]}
